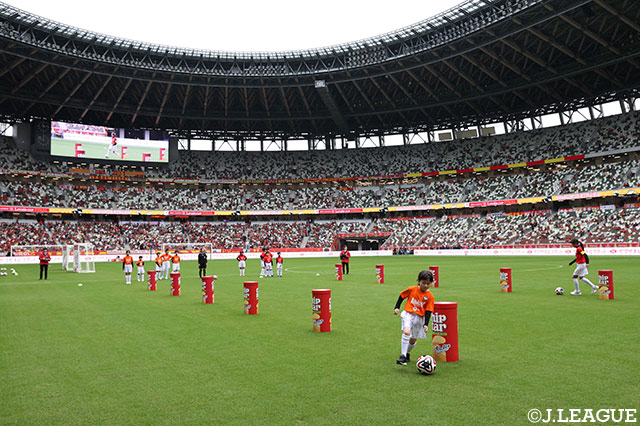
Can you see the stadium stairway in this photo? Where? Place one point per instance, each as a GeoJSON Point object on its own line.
{"type": "Point", "coordinates": [427, 231]}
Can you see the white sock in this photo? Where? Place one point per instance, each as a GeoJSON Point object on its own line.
{"type": "Point", "coordinates": [575, 281]}
{"type": "Point", "coordinates": [404, 346]}
{"type": "Point", "coordinates": [588, 282]}
{"type": "Point", "coordinates": [410, 347]}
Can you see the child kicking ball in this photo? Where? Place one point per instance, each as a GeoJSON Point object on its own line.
{"type": "Point", "coordinates": [415, 315]}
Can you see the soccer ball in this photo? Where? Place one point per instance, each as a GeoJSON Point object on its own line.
{"type": "Point", "coordinates": [559, 291]}
{"type": "Point", "coordinates": [426, 365]}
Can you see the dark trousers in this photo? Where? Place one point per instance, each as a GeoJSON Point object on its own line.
{"type": "Point", "coordinates": [45, 269]}
{"type": "Point", "coordinates": [345, 268]}
{"type": "Point", "coordinates": [203, 271]}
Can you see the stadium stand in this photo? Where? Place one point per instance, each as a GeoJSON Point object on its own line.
{"type": "Point", "coordinates": [597, 225]}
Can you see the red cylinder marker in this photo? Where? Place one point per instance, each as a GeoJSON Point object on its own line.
{"type": "Point", "coordinates": [435, 270]}
{"type": "Point", "coordinates": [207, 290]}
{"type": "Point", "coordinates": [444, 328]}
{"type": "Point", "coordinates": [380, 274]}
{"type": "Point", "coordinates": [151, 285]}
{"type": "Point", "coordinates": [505, 280]}
{"type": "Point", "coordinates": [338, 271]}
{"type": "Point", "coordinates": [175, 283]}
{"type": "Point", "coordinates": [251, 297]}
{"type": "Point", "coordinates": [605, 282]}
{"type": "Point", "coordinates": [321, 306]}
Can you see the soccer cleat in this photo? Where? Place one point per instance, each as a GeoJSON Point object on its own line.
{"type": "Point", "coordinates": [408, 357]}
{"type": "Point", "coordinates": [575, 293]}
{"type": "Point", "coordinates": [594, 290]}
{"type": "Point", "coordinates": [402, 360]}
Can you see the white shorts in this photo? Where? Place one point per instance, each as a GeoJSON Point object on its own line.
{"type": "Point", "coordinates": [279, 266]}
{"type": "Point", "coordinates": [268, 267]}
{"type": "Point", "coordinates": [141, 270]}
{"type": "Point", "coordinates": [581, 270]}
{"type": "Point", "coordinates": [165, 266]}
{"type": "Point", "coordinates": [158, 268]}
{"type": "Point", "coordinates": [113, 148]}
{"type": "Point", "coordinates": [128, 268]}
{"type": "Point", "coordinates": [176, 267]}
{"type": "Point", "coordinates": [262, 264]}
{"type": "Point", "coordinates": [241, 263]}
{"type": "Point", "coordinates": [415, 322]}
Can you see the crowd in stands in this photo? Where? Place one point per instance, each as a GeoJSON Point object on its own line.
{"type": "Point", "coordinates": [450, 231]}
{"type": "Point", "coordinates": [620, 226]}
{"type": "Point", "coordinates": [404, 233]}
{"type": "Point", "coordinates": [475, 188]}
{"type": "Point", "coordinates": [611, 133]}
{"type": "Point", "coordinates": [616, 132]}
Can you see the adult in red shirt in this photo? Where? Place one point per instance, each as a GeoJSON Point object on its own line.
{"type": "Point", "coordinates": [45, 258]}
{"type": "Point", "coordinates": [344, 258]}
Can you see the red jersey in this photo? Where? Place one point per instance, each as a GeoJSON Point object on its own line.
{"type": "Point", "coordinates": [44, 258]}
{"type": "Point", "coordinates": [114, 140]}
{"type": "Point", "coordinates": [580, 255]}
{"type": "Point", "coordinates": [267, 258]}
{"type": "Point", "coordinates": [344, 256]}
{"type": "Point", "coordinates": [140, 263]}
{"type": "Point", "coordinates": [128, 260]}
{"type": "Point", "coordinates": [241, 257]}
{"type": "Point", "coordinates": [279, 259]}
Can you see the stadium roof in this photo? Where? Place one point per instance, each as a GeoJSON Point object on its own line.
{"type": "Point", "coordinates": [482, 61]}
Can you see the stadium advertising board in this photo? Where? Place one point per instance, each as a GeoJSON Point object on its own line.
{"type": "Point", "coordinates": [104, 143]}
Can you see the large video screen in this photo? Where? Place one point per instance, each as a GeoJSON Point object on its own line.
{"type": "Point", "coordinates": [105, 143]}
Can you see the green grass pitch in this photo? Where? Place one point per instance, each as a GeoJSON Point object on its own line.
{"type": "Point", "coordinates": [108, 353]}
{"type": "Point", "coordinates": [66, 148]}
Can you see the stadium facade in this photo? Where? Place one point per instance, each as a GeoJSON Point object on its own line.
{"type": "Point", "coordinates": [443, 84]}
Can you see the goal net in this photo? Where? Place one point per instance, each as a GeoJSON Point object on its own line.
{"type": "Point", "coordinates": [185, 248]}
{"type": "Point", "coordinates": [83, 258]}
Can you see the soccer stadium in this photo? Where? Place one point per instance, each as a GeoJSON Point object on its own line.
{"type": "Point", "coordinates": [495, 145]}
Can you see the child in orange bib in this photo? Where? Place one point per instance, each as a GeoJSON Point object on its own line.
{"type": "Point", "coordinates": [127, 267]}
{"type": "Point", "coordinates": [415, 315]}
{"type": "Point", "coordinates": [175, 259]}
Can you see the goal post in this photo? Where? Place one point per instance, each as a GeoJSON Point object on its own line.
{"type": "Point", "coordinates": [78, 257]}
{"type": "Point", "coordinates": [83, 258]}
{"type": "Point", "coordinates": [189, 248]}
